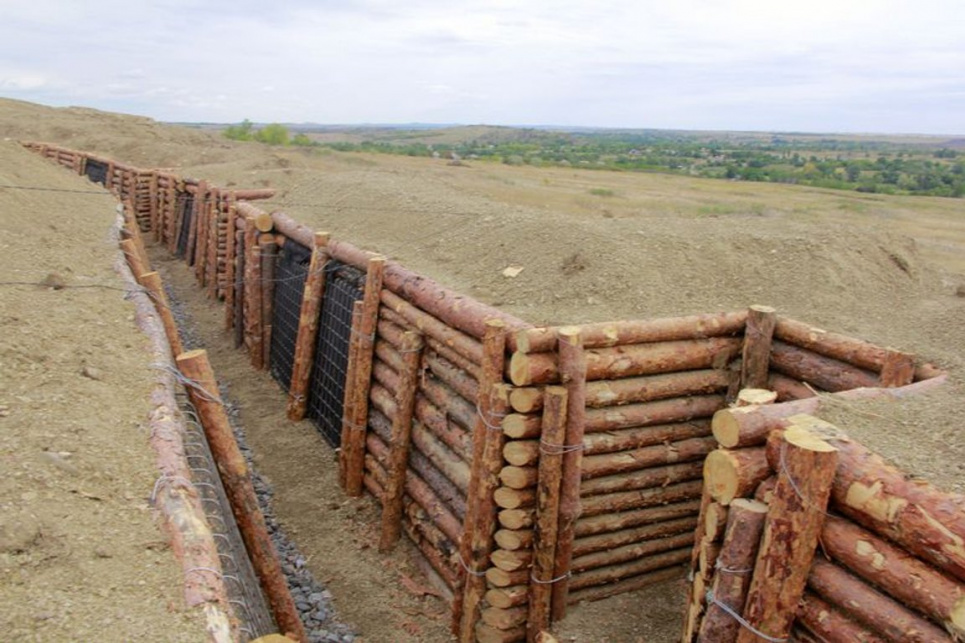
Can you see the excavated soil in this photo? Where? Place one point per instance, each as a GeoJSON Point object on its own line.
{"type": "Point", "coordinates": [887, 269]}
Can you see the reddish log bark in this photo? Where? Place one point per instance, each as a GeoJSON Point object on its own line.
{"type": "Point", "coordinates": [636, 438]}
{"type": "Point", "coordinates": [152, 283]}
{"type": "Point", "coordinates": [539, 340]}
{"type": "Point", "coordinates": [738, 551]}
{"type": "Point", "coordinates": [654, 531]}
{"type": "Point", "coordinates": [907, 579]}
{"type": "Point", "coordinates": [830, 625]}
{"type": "Point", "coordinates": [628, 519]}
{"type": "Point", "coordinates": [254, 335]}
{"type": "Point", "coordinates": [618, 572]}
{"type": "Point", "coordinates": [547, 510]}
{"type": "Point", "coordinates": [658, 476]}
{"type": "Point", "coordinates": [639, 499]}
{"type": "Point", "coordinates": [230, 262]}
{"type": "Point", "coordinates": [872, 608]}
{"type": "Point", "coordinates": [401, 436]}
{"type": "Point", "coordinates": [354, 447]}
{"type": "Point", "coordinates": [630, 584]}
{"type": "Point", "coordinates": [465, 345]}
{"type": "Point", "coordinates": [679, 409]}
{"type": "Point", "coordinates": [824, 372]}
{"type": "Point", "coordinates": [348, 404]}
{"type": "Point", "coordinates": [788, 388]}
{"type": "Point", "coordinates": [757, 346]}
{"type": "Point", "coordinates": [794, 520]}
{"type": "Point", "coordinates": [840, 347]}
{"type": "Point", "coordinates": [269, 255]}
{"type": "Point", "coordinates": [204, 395]}
{"type": "Point", "coordinates": [607, 464]}
{"type": "Point", "coordinates": [898, 369]}
{"type": "Point", "coordinates": [630, 360]}
{"type": "Point", "coordinates": [307, 338]}
{"type": "Point", "coordinates": [573, 373]}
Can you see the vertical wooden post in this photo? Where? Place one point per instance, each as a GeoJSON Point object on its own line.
{"type": "Point", "coordinates": [348, 404]}
{"type": "Point", "coordinates": [355, 453]}
{"type": "Point", "coordinates": [239, 288]}
{"type": "Point", "coordinates": [152, 191]}
{"type": "Point", "coordinates": [211, 260]}
{"type": "Point", "coordinates": [795, 516]}
{"type": "Point", "coordinates": [109, 179]}
{"type": "Point", "coordinates": [152, 283]}
{"type": "Point", "coordinates": [757, 346]}
{"type": "Point", "coordinates": [411, 350]}
{"type": "Point", "coordinates": [203, 391]}
{"type": "Point", "coordinates": [134, 261]}
{"type": "Point", "coordinates": [253, 331]}
{"type": "Point", "coordinates": [231, 230]}
{"type": "Point", "coordinates": [308, 329]}
{"type": "Point", "coordinates": [573, 376]}
{"type": "Point", "coordinates": [898, 369]}
{"type": "Point", "coordinates": [547, 510]}
{"type": "Point", "coordinates": [269, 253]}
{"type": "Point", "coordinates": [487, 437]}
{"type": "Point", "coordinates": [196, 204]}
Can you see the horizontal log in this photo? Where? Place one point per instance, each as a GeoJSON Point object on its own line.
{"type": "Point", "coordinates": [511, 560]}
{"type": "Point", "coordinates": [516, 518]}
{"type": "Point", "coordinates": [826, 373]}
{"type": "Point", "coordinates": [735, 473]}
{"type": "Point", "coordinates": [831, 625]}
{"type": "Point", "coordinates": [626, 500]}
{"type": "Point", "coordinates": [507, 498]}
{"type": "Point", "coordinates": [504, 619]}
{"type": "Point", "coordinates": [522, 426]}
{"type": "Point", "coordinates": [526, 399]}
{"type": "Point", "coordinates": [633, 551]}
{"type": "Point", "coordinates": [507, 596]}
{"type": "Point", "coordinates": [521, 453]}
{"type": "Point", "coordinates": [488, 634]}
{"type": "Point", "coordinates": [501, 578]}
{"type": "Point", "coordinates": [628, 361]}
{"type": "Point", "coordinates": [638, 437]}
{"type": "Point", "coordinates": [454, 377]}
{"type": "Point", "coordinates": [870, 607]}
{"type": "Point", "coordinates": [252, 194]}
{"type": "Point", "coordinates": [788, 388]}
{"type": "Point", "coordinates": [463, 344]}
{"type": "Point", "coordinates": [631, 584]}
{"type": "Point", "coordinates": [658, 476]}
{"type": "Point", "coordinates": [514, 538]}
{"type": "Point", "coordinates": [620, 571]}
{"type": "Point", "coordinates": [678, 409]}
{"type": "Point", "coordinates": [604, 334]}
{"type": "Point", "coordinates": [840, 347]}
{"type": "Point", "coordinates": [608, 464]}
{"type": "Point", "coordinates": [518, 477]}
{"type": "Point", "coordinates": [443, 427]}
{"type": "Point", "coordinates": [450, 402]}
{"type": "Point", "coordinates": [907, 579]}
{"type": "Point", "coordinates": [614, 539]}
{"type": "Point", "coordinates": [627, 519]}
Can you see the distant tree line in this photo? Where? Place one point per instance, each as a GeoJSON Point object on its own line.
{"type": "Point", "coordinates": [849, 164]}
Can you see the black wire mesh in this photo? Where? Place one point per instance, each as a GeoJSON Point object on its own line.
{"type": "Point", "coordinates": [291, 271]}
{"type": "Point", "coordinates": [184, 201]}
{"type": "Point", "coordinates": [343, 287]}
{"type": "Point", "coordinates": [96, 171]}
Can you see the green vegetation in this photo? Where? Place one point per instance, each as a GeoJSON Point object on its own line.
{"type": "Point", "coordinates": [918, 166]}
{"type": "Point", "coordinates": [272, 134]}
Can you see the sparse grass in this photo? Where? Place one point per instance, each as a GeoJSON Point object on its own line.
{"type": "Point", "coordinates": [604, 192]}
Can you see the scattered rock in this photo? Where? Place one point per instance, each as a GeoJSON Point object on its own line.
{"type": "Point", "coordinates": [92, 372]}
{"type": "Point", "coordinates": [54, 281]}
{"type": "Point", "coordinates": [18, 533]}
{"type": "Point", "coordinates": [512, 271]}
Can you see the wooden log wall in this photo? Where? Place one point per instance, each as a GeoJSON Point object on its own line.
{"type": "Point", "coordinates": [570, 465]}
{"type": "Point", "coordinates": [890, 565]}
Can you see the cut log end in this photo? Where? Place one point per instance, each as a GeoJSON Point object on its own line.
{"type": "Point", "coordinates": [752, 396]}
{"type": "Point", "coordinates": [804, 437]}
{"type": "Point", "coordinates": [726, 428]}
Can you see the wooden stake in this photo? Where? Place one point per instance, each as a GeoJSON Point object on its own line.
{"type": "Point", "coordinates": [152, 283]}
{"type": "Point", "coordinates": [203, 392]}
{"type": "Point", "coordinates": [794, 520]}
{"type": "Point", "coordinates": [348, 404]}
{"type": "Point", "coordinates": [401, 435]}
{"type": "Point", "coordinates": [572, 369]}
{"type": "Point", "coordinates": [269, 255]}
{"type": "Point", "coordinates": [547, 510]}
{"type": "Point", "coordinates": [355, 448]}
{"type": "Point", "coordinates": [757, 346]}
{"type": "Point", "coordinates": [307, 339]}
{"type": "Point", "coordinates": [254, 333]}
{"type": "Point", "coordinates": [129, 248]}
{"type": "Point", "coordinates": [239, 288]}
{"type": "Point", "coordinates": [230, 262]}
{"type": "Point", "coordinates": [487, 460]}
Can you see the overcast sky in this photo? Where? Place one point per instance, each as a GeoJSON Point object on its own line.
{"type": "Point", "coordinates": [787, 65]}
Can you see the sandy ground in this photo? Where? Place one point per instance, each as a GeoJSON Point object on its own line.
{"type": "Point", "coordinates": [882, 268]}
{"type": "Point", "coordinates": [81, 554]}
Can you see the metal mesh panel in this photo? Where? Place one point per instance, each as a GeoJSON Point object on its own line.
{"type": "Point", "coordinates": [184, 201]}
{"type": "Point", "coordinates": [96, 171]}
{"type": "Point", "coordinates": [291, 271]}
{"type": "Point", "coordinates": [343, 287]}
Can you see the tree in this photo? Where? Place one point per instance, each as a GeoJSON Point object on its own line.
{"type": "Point", "coordinates": [273, 134]}
{"type": "Point", "coordinates": [241, 132]}
{"type": "Point", "coordinates": [302, 139]}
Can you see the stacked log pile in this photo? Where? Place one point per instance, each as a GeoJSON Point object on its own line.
{"type": "Point", "coordinates": [890, 566]}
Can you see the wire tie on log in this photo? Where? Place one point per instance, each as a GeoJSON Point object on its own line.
{"type": "Point", "coordinates": [804, 501]}
{"type": "Point", "coordinates": [497, 416]}
{"type": "Point", "coordinates": [550, 582]}
{"type": "Point", "coordinates": [352, 426]}
{"type": "Point", "coordinates": [466, 567]}
{"type": "Point", "coordinates": [187, 381]}
{"type": "Point", "coordinates": [559, 449]}
{"type": "Point", "coordinates": [711, 599]}
{"type": "Point", "coordinates": [202, 569]}
{"type": "Point", "coordinates": [161, 479]}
